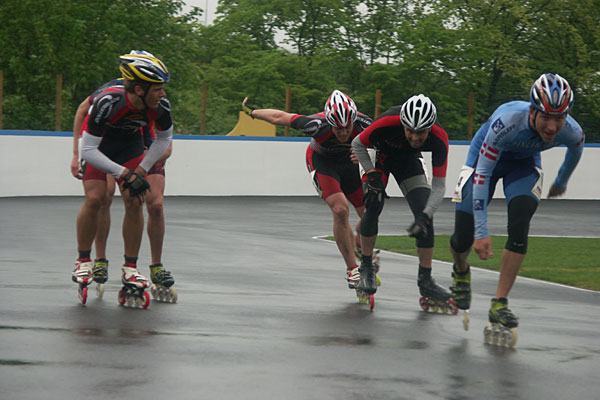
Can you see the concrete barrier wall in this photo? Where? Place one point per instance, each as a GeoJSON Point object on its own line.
{"type": "Point", "coordinates": [36, 163]}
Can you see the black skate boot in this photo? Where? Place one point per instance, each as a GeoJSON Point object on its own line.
{"type": "Point", "coordinates": [162, 280]}
{"type": "Point", "coordinates": [502, 328]}
{"type": "Point", "coordinates": [501, 314]}
{"type": "Point", "coordinates": [100, 270]}
{"type": "Point", "coordinates": [100, 273]}
{"type": "Point", "coordinates": [434, 296]}
{"type": "Point", "coordinates": [368, 279]}
{"type": "Point", "coordinates": [461, 288]}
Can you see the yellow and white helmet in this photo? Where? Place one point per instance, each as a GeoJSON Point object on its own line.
{"type": "Point", "coordinates": [143, 66]}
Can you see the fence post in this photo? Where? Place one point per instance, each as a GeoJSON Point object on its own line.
{"type": "Point", "coordinates": [377, 103]}
{"type": "Point", "coordinates": [1, 94]}
{"type": "Point", "coordinates": [470, 126]}
{"type": "Point", "coordinates": [288, 108]}
{"type": "Point", "coordinates": [203, 110]}
{"type": "Point", "coordinates": [58, 124]}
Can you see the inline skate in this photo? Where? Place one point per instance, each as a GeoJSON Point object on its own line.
{"type": "Point", "coordinates": [502, 329]}
{"type": "Point", "coordinates": [434, 297]}
{"type": "Point", "coordinates": [83, 276]}
{"type": "Point", "coordinates": [100, 272]}
{"type": "Point", "coordinates": [367, 285]}
{"type": "Point", "coordinates": [461, 293]}
{"type": "Point", "coordinates": [162, 282]}
{"type": "Point", "coordinates": [132, 293]}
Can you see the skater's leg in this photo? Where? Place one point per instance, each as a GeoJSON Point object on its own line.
{"type": "Point", "coordinates": [460, 247]}
{"type": "Point", "coordinates": [369, 227]}
{"type": "Point", "coordinates": [360, 211]}
{"type": "Point", "coordinates": [342, 231]}
{"type": "Point", "coordinates": [103, 228]}
{"type": "Point", "coordinates": [509, 269]}
{"type": "Point", "coordinates": [87, 219]}
{"type": "Point", "coordinates": [156, 216]}
{"type": "Point", "coordinates": [133, 224]}
{"type": "Point", "coordinates": [520, 212]}
{"type": "Point", "coordinates": [425, 256]}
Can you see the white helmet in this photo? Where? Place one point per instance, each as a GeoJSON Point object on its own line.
{"type": "Point", "coordinates": [418, 113]}
{"type": "Point", "coordinates": [340, 110]}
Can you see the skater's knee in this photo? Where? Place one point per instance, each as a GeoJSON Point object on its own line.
{"type": "Point", "coordinates": [428, 240]}
{"type": "Point", "coordinates": [520, 212]}
{"type": "Point", "coordinates": [464, 232]}
{"type": "Point", "coordinates": [93, 202]}
{"type": "Point", "coordinates": [368, 225]}
{"type": "Point", "coordinates": [155, 209]}
{"type": "Point", "coordinates": [461, 243]}
{"type": "Point", "coordinates": [340, 212]}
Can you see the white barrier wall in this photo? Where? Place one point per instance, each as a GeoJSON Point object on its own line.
{"type": "Point", "coordinates": [37, 164]}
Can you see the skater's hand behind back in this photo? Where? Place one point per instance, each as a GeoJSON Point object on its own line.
{"type": "Point", "coordinates": [483, 247]}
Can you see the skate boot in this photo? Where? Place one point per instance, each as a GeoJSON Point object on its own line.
{"type": "Point", "coordinates": [83, 276]}
{"type": "Point", "coordinates": [100, 275]}
{"type": "Point", "coordinates": [434, 297]}
{"type": "Point", "coordinates": [367, 283]}
{"type": "Point", "coordinates": [353, 277]}
{"type": "Point", "coordinates": [162, 280]}
{"type": "Point", "coordinates": [375, 258]}
{"type": "Point", "coordinates": [132, 293]}
{"type": "Point", "coordinates": [461, 293]}
{"type": "Point", "coordinates": [502, 329]}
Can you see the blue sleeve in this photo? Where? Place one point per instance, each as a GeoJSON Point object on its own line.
{"type": "Point", "coordinates": [486, 162]}
{"type": "Point", "coordinates": [575, 141]}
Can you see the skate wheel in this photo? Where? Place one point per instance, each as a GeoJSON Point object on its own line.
{"type": "Point", "coordinates": [435, 308]}
{"type": "Point", "coordinates": [378, 280]}
{"type": "Point", "coordinates": [371, 302]}
{"type": "Point", "coordinates": [452, 307]}
{"type": "Point", "coordinates": [122, 296]}
{"type": "Point", "coordinates": [154, 291]}
{"type": "Point", "coordinates": [465, 319]}
{"type": "Point", "coordinates": [423, 303]}
{"type": "Point", "coordinates": [512, 340]}
{"type": "Point", "coordinates": [100, 291]}
{"type": "Point", "coordinates": [146, 300]}
{"type": "Point", "coordinates": [83, 291]}
{"type": "Point", "coordinates": [487, 334]}
{"type": "Point", "coordinates": [173, 296]}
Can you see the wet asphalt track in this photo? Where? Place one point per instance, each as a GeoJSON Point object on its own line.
{"type": "Point", "coordinates": [264, 313]}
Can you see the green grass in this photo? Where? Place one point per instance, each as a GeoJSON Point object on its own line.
{"type": "Point", "coordinates": [570, 261]}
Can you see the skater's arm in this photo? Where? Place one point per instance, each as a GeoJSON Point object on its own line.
{"type": "Point", "coordinates": [362, 154]}
{"type": "Point", "coordinates": [438, 188]}
{"type": "Point", "coordinates": [275, 117]}
{"type": "Point", "coordinates": [77, 123]}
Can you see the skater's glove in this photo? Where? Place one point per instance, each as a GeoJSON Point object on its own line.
{"type": "Point", "coordinates": [247, 108]}
{"type": "Point", "coordinates": [138, 186]}
{"type": "Point", "coordinates": [420, 228]}
{"type": "Point", "coordinates": [374, 190]}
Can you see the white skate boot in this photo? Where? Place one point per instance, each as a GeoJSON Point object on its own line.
{"type": "Point", "coordinates": [352, 276]}
{"type": "Point", "coordinates": [82, 275]}
{"type": "Point", "coordinates": [132, 293]}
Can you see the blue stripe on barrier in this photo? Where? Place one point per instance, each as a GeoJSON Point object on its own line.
{"type": "Point", "coordinates": [217, 137]}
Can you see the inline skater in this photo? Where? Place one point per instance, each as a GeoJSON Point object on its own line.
{"type": "Point", "coordinates": [112, 143]}
{"type": "Point", "coordinates": [161, 278]}
{"type": "Point", "coordinates": [508, 147]}
{"type": "Point", "coordinates": [330, 163]}
{"type": "Point", "coordinates": [400, 135]}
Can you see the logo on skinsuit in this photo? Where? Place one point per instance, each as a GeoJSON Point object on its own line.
{"type": "Point", "coordinates": [478, 205]}
{"type": "Point", "coordinates": [497, 126]}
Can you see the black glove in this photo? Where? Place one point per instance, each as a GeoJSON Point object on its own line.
{"type": "Point", "coordinates": [137, 186]}
{"type": "Point", "coordinates": [420, 228]}
{"type": "Point", "coordinates": [375, 190]}
{"type": "Point", "coordinates": [247, 108]}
